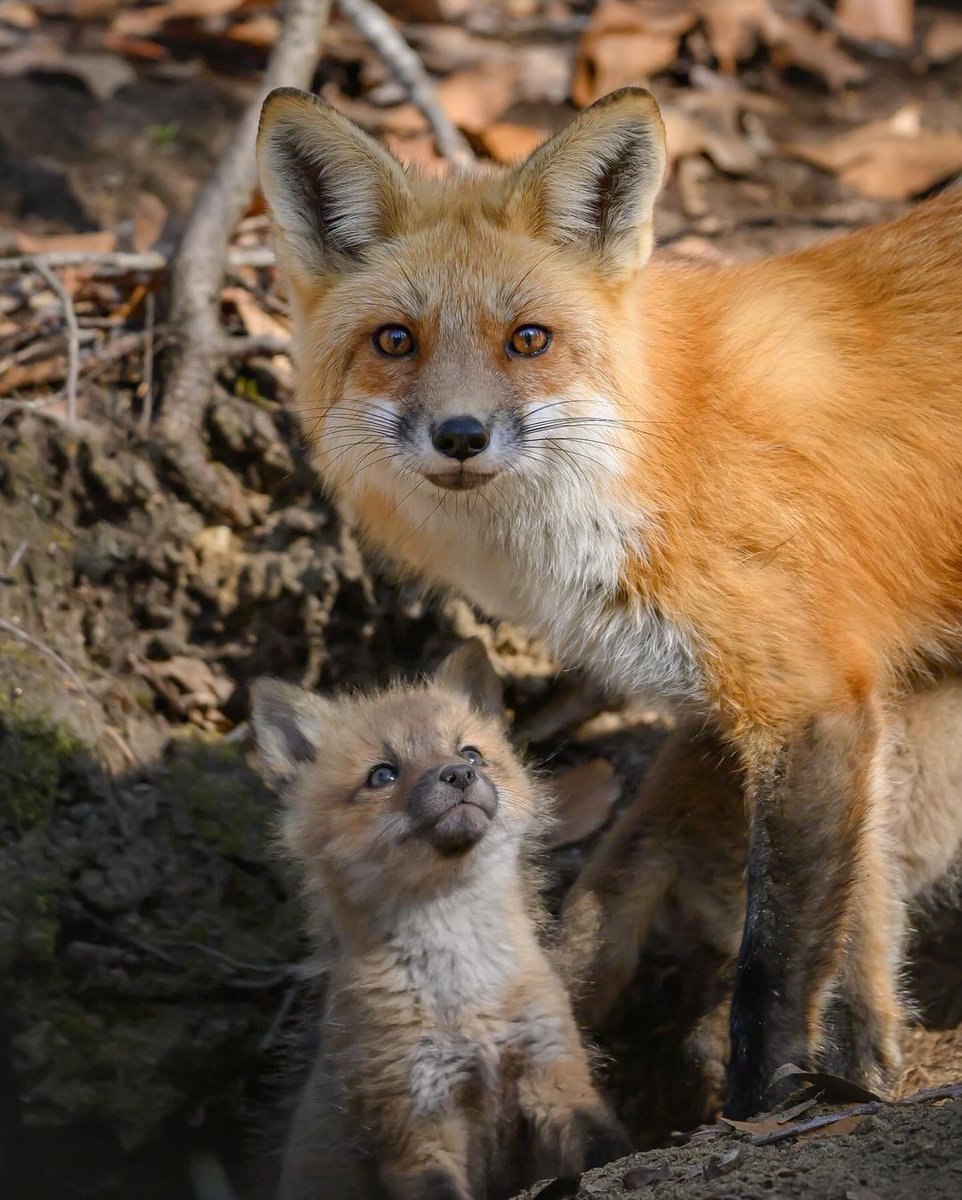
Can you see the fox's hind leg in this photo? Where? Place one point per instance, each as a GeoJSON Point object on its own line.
{"type": "Point", "coordinates": [683, 834]}
{"type": "Point", "coordinates": [816, 913]}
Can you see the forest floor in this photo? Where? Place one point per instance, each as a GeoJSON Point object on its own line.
{"type": "Point", "coordinates": [149, 941]}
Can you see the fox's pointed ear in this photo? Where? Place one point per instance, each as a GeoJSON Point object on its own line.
{"type": "Point", "coordinates": [594, 184]}
{"type": "Point", "coordinates": [332, 190]}
{"type": "Point", "coordinates": [290, 724]}
{"type": "Point", "coordinates": [468, 670]}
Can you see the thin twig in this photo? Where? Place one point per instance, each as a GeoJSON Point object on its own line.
{"type": "Point", "coordinates": [244, 346]}
{"type": "Point", "coordinates": [371, 22]}
{"type": "Point", "coordinates": [29, 640]}
{"type": "Point", "coordinates": [147, 383]}
{"type": "Point", "coordinates": [42, 648]}
{"type": "Point", "coordinates": [122, 262]}
{"type": "Point", "coordinates": [73, 337]}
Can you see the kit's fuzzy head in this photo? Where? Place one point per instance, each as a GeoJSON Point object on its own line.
{"type": "Point", "coordinates": [398, 795]}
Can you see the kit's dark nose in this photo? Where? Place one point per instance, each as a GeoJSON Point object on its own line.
{"type": "Point", "coordinates": [460, 438]}
{"type": "Point", "coordinates": [458, 775]}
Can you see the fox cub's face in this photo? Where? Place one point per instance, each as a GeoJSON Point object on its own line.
{"type": "Point", "coordinates": [451, 332]}
{"type": "Point", "coordinates": [400, 790]}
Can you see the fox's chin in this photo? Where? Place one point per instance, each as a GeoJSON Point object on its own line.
{"type": "Point", "coordinates": [460, 481]}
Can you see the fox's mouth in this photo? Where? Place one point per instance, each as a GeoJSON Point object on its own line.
{"type": "Point", "coordinates": [461, 827]}
{"type": "Point", "coordinates": [460, 480]}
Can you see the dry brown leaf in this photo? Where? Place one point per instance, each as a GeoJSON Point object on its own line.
{"type": "Point", "coordinates": [447, 48]}
{"type": "Point", "coordinates": [728, 101]}
{"type": "Point", "coordinates": [693, 248]}
{"type": "Point", "coordinates": [686, 136]}
{"type": "Point", "coordinates": [256, 321]}
{"type": "Point", "coordinates": [627, 44]}
{"type": "Point", "coordinates": [150, 216]}
{"type": "Point", "coordinates": [100, 242]}
{"type": "Point", "coordinates": [835, 1088]}
{"type": "Point", "coordinates": [417, 150]}
{"type": "Point", "coordinates": [428, 10]}
{"type": "Point", "coordinates": [142, 22]}
{"type": "Point", "coordinates": [101, 74]}
{"type": "Point", "coordinates": [794, 43]}
{"type": "Point", "coordinates": [134, 47]}
{"type": "Point", "coordinates": [888, 160]}
{"type": "Point", "coordinates": [507, 143]}
{"type": "Point", "coordinates": [262, 30]}
{"type": "Point", "coordinates": [876, 20]}
{"type": "Point", "coordinates": [476, 98]}
{"type": "Point", "coordinates": [761, 1125]}
{"type": "Point", "coordinates": [186, 683]}
{"type": "Point", "coordinates": [403, 119]}
{"type": "Point", "coordinates": [585, 796]}
{"type": "Point", "coordinates": [78, 10]}
{"type": "Point", "coordinates": [16, 377]}
{"type": "Point", "coordinates": [943, 41]}
{"type": "Point", "coordinates": [734, 28]}
{"type": "Point", "coordinates": [17, 14]}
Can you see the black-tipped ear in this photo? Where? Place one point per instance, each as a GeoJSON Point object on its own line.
{"type": "Point", "coordinates": [468, 670]}
{"type": "Point", "coordinates": [332, 190]}
{"type": "Point", "coordinates": [289, 726]}
{"type": "Point", "coordinates": [594, 184]}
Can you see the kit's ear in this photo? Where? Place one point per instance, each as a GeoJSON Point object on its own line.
{"type": "Point", "coordinates": [290, 724]}
{"type": "Point", "coordinates": [594, 184]}
{"type": "Point", "coordinates": [331, 188]}
{"type": "Point", "coordinates": [468, 671]}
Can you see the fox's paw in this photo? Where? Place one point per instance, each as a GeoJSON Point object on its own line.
{"type": "Point", "coordinates": [599, 1136]}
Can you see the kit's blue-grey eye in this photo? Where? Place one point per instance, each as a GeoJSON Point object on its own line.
{"type": "Point", "coordinates": [382, 775]}
{"type": "Point", "coordinates": [472, 754]}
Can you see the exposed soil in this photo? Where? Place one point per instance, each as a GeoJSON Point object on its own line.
{"type": "Point", "coordinates": [149, 942]}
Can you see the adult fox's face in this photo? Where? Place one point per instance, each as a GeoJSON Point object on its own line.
{"type": "Point", "coordinates": [451, 332]}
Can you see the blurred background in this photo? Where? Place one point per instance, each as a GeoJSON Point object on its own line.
{"type": "Point", "coordinates": [163, 538]}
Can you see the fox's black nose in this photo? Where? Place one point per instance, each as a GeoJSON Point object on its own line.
{"type": "Point", "coordinates": [458, 775]}
{"type": "Point", "coordinates": [460, 438]}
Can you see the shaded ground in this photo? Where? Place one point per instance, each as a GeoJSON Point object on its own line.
{"type": "Point", "coordinates": [148, 941]}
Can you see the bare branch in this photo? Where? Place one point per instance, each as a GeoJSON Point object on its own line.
{"type": "Point", "coordinates": [73, 338]}
{"type": "Point", "coordinates": [198, 268]}
{"type": "Point", "coordinates": [121, 262]}
{"type": "Point", "coordinates": [371, 22]}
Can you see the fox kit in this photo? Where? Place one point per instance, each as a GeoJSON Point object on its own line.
{"type": "Point", "coordinates": [674, 861]}
{"type": "Point", "coordinates": [733, 486]}
{"type": "Point", "coordinates": [450, 1065]}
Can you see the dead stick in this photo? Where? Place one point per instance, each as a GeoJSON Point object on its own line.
{"type": "Point", "coordinates": [122, 262]}
{"type": "Point", "coordinates": [147, 382]}
{"type": "Point", "coordinates": [371, 22]}
{"type": "Point", "coordinates": [73, 338]}
{"type": "Point", "coordinates": [198, 268]}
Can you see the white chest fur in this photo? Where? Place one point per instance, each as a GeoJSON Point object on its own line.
{"type": "Point", "coordinates": [551, 557]}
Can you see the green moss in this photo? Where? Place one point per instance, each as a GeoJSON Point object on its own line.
{"type": "Point", "coordinates": [34, 753]}
{"type": "Point", "coordinates": [211, 785]}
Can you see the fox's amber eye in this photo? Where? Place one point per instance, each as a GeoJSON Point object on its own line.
{"type": "Point", "coordinates": [529, 340]}
{"type": "Point", "coordinates": [382, 775]}
{"type": "Point", "coordinates": [473, 755]}
{"type": "Point", "coordinates": [395, 341]}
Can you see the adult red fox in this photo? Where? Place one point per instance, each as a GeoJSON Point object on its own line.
{"type": "Point", "coordinates": [737, 487]}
